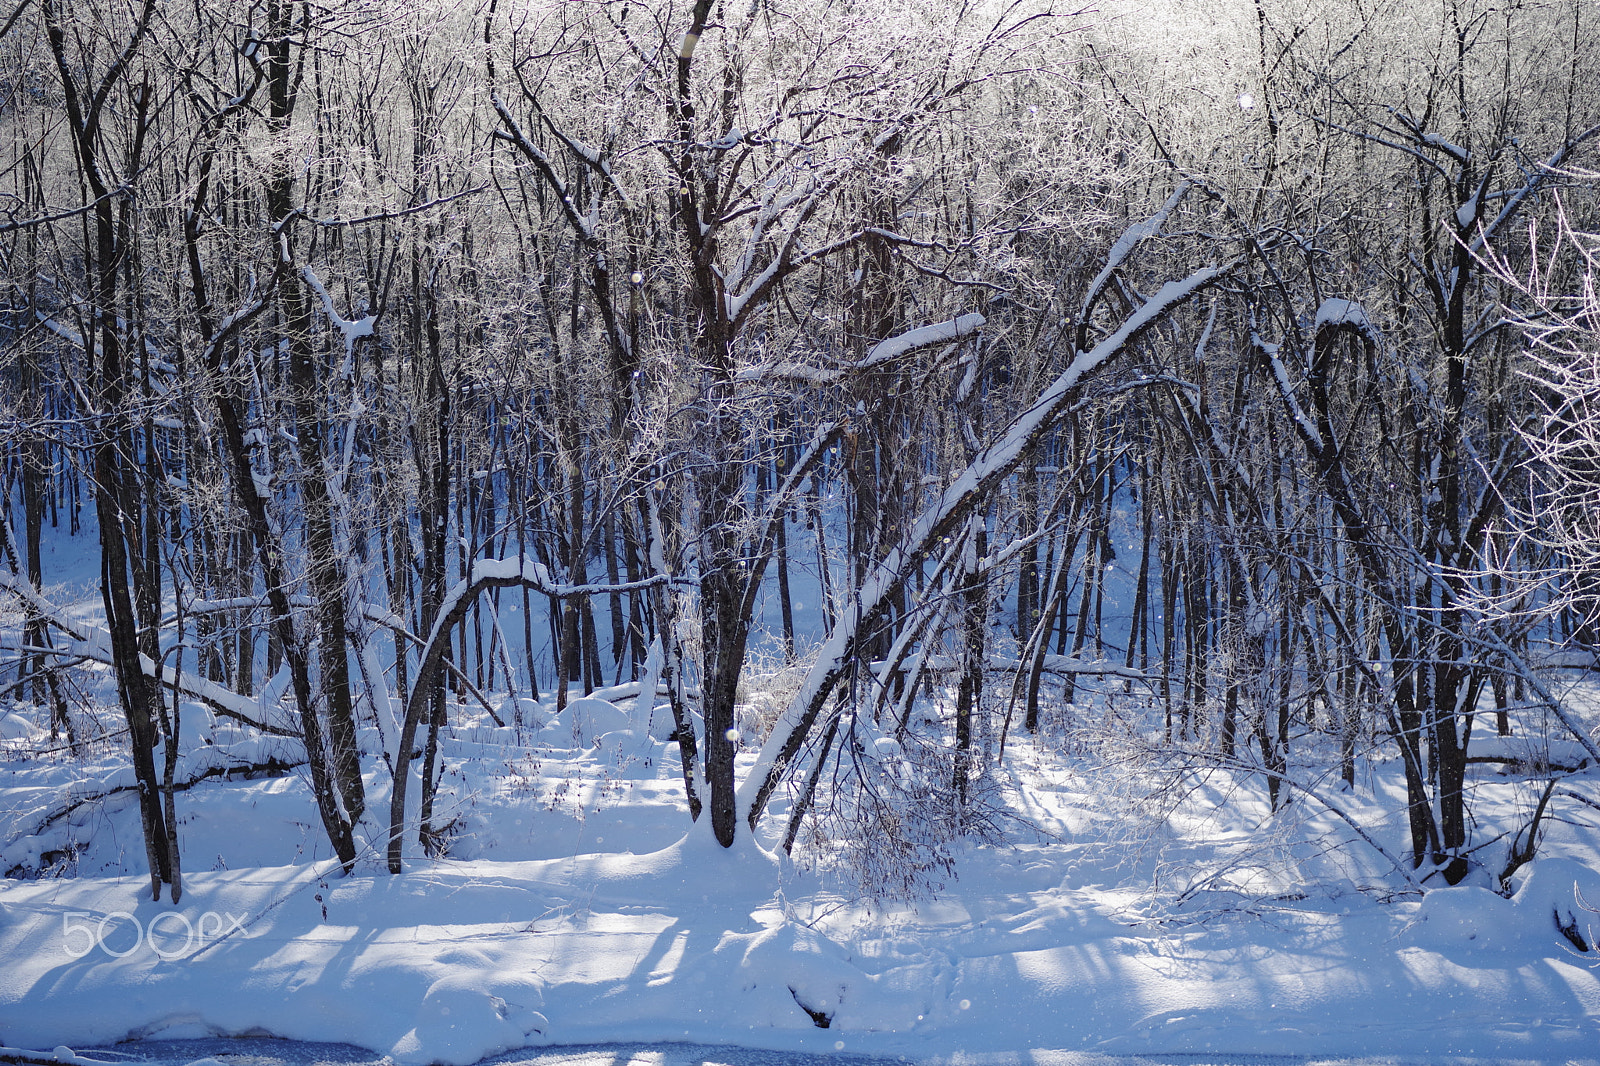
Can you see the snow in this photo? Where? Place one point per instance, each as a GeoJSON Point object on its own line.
{"type": "Point", "coordinates": [1339, 313]}
{"type": "Point", "coordinates": [350, 330]}
{"type": "Point", "coordinates": [587, 720]}
{"type": "Point", "coordinates": [579, 905]}
{"type": "Point", "coordinates": [992, 462]}
{"type": "Point", "coordinates": [1513, 200]}
{"type": "Point", "coordinates": [1460, 154]}
{"type": "Point", "coordinates": [922, 336]}
{"type": "Point", "coordinates": [885, 351]}
{"type": "Point", "coordinates": [458, 960]}
{"type": "Point", "coordinates": [1125, 244]}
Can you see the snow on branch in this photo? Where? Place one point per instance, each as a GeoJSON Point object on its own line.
{"type": "Point", "coordinates": [922, 337]}
{"type": "Point", "coordinates": [1549, 698]}
{"type": "Point", "coordinates": [487, 574]}
{"type": "Point", "coordinates": [1431, 140]}
{"type": "Point", "coordinates": [988, 468]}
{"type": "Point", "coordinates": [397, 212]}
{"type": "Point", "coordinates": [1125, 245]}
{"type": "Point", "coordinates": [1514, 201]}
{"type": "Point", "coordinates": [885, 351]}
{"type": "Point", "coordinates": [1336, 313]}
{"type": "Point", "coordinates": [351, 330]}
{"type": "Point", "coordinates": [23, 589]}
{"type": "Point", "coordinates": [514, 136]}
{"type": "Point", "coordinates": [1052, 664]}
{"type": "Point", "coordinates": [1280, 375]}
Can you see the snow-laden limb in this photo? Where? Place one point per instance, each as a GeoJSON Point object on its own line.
{"type": "Point", "coordinates": [350, 330]}
{"type": "Point", "coordinates": [1052, 664]}
{"type": "Point", "coordinates": [1124, 246]}
{"type": "Point", "coordinates": [922, 337]}
{"type": "Point", "coordinates": [1334, 316]}
{"type": "Point", "coordinates": [66, 333]}
{"type": "Point", "coordinates": [219, 698]}
{"type": "Point", "coordinates": [20, 587]}
{"type": "Point", "coordinates": [1337, 313]}
{"type": "Point", "coordinates": [777, 198]}
{"type": "Point", "coordinates": [1515, 200]}
{"type": "Point", "coordinates": [1273, 353]}
{"type": "Point", "coordinates": [513, 134]}
{"type": "Point", "coordinates": [94, 644]}
{"type": "Point", "coordinates": [988, 468]}
{"type": "Point", "coordinates": [885, 351]}
{"type": "Point", "coordinates": [1433, 140]}
{"type": "Point", "coordinates": [784, 261]}
{"type": "Point", "coordinates": [520, 571]}
{"type": "Point", "coordinates": [1543, 692]}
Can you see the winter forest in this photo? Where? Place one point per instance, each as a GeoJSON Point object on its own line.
{"type": "Point", "coordinates": [1139, 459]}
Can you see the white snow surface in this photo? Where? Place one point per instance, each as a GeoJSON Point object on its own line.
{"type": "Point", "coordinates": [584, 908]}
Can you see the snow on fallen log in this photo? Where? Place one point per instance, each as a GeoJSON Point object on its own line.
{"type": "Point", "coordinates": [28, 848]}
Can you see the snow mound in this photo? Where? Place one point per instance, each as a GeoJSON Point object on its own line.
{"type": "Point", "coordinates": [463, 1018]}
{"type": "Point", "coordinates": [1554, 905]}
{"type": "Point", "coordinates": [530, 713]}
{"type": "Point", "coordinates": [14, 726]}
{"type": "Point", "coordinates": [793, 977]}
{"type": "Point", "coordinates": [1467, 917]}
{"type": "Point", "coordinates": [1561, 894]}
{"type": "Point", "coordinates": [585, 721]}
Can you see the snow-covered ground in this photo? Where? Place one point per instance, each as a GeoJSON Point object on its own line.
{"type": "Point", "coordinates": [1128, 902]}
{"type": "Point", "coordinates": [584, 909]}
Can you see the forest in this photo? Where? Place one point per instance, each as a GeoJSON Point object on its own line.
{"type": "Point", "coordinates": [876, 385]}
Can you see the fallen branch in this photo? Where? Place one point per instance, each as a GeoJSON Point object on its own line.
{"type": "Point", "coordinates": [93, 644]}
{"type": "Point", "coordinates": [271, 766]}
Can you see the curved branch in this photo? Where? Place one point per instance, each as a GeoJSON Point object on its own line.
{"type": "Point", "coordinates": [485, 574]}
{"type": "Point", "coordinates": [973, 485]}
